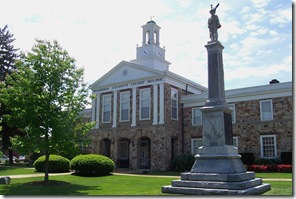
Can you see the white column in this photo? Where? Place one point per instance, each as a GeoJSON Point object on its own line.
{"type": "Point", "coordinates": [134, 107]}
{"type": "Point", "coordinates": [93, 109]}
{"type": "Point", "coordinates": [155, 104]}
{"type": "Point", "coordinates": [161, 103]}
{"type": "Point", "coordinates": [114, 109]}
{"type": "Point", "coordinates": [98, 111]}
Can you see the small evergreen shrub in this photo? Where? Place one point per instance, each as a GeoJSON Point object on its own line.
{"type": "Point", "coordinates": [92, 165]}
{"type": "Point", "coordinates": [183, 162]}
{"type": "Point", "coordinates": [56, 164]}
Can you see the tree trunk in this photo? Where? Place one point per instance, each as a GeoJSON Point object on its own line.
{"type": "Point", "coordinates": [46, 167]}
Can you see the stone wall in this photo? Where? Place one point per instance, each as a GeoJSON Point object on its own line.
{"type": "Point", "coordinates": [248, 126]}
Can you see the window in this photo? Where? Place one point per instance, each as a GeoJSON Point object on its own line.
{"type": "Point", "coordinates": [124, 106]}
{"type": "Point", "coordinates": [195, 144]}
{"type": "Point", "coordinates": [266, 111]}
{"type": "Point", "coordinates": [235, 141]}
{"type": "Point", "coordinates": [145, 104]}
{"type": "Point", "coordinates": [106, 108]}
{"type": "Point", "coordinates": [196, 117]}
{"type": "Point", "coordinates": [233, 115]}
{"type": "Point", "coordinates": [174, 103]}
{"type": "Point", "coordinates": [268, 146]}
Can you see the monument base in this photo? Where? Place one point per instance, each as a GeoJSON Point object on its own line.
{"type": "Point", "coordinates": [217, 184]}
{"type": "Point", "coordinates": [217, 170]}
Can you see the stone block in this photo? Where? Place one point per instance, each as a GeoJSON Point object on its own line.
{"type": "Point", "coordinates": [237, 177]}
{"type": "Point", "coordinates": [4, 180]}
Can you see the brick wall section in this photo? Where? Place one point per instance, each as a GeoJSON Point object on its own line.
{"type": "Point", "coordinates": [249, 127]}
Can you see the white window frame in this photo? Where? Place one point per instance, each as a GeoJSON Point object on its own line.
{"type": "Point", "coordinates": [233, 114]}
{"type": "Point", "coordinates": [144, 99]}
{"type": "Point", "coordinates": [193, 117]}
{"type": "Point", "coordinates": [104, 106]}
{"type": "Point", "coordinates": [262, 112]}
{"type": "Point", "coordinates": [125, 103]}
{"type": "Point", "coordinates": [262, 146]}
{"type": "Point", "coordinates": [174, 98]}
{"type": "Point", "coordinates": [194, 149]}
{"type": "Point", "coordinates": [235, 141]}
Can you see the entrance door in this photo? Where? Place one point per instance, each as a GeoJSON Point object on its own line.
{"type": "Point", "coordinates": [145, 153]}
{"type": "Point", "coordinates": [123, 154]}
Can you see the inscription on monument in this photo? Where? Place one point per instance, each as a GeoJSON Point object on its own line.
{"type": "Point", "coordinates": [213, 127]}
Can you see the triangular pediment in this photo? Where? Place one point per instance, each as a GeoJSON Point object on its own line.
{"type": "Point", "coordinates": [125, 72]}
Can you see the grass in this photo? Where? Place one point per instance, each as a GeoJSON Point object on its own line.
{"type": "Point", "coordinates": [113, 185]}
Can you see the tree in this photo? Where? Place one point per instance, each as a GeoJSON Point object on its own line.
{"type": "Point", "coordinates": [8, 55]}
{"type": "Point", "coordinates": [45, 95]}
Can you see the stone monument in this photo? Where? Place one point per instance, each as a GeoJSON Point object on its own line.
{"type": "Point", "coordinates": [218, 169]}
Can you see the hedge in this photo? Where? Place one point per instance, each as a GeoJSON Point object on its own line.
{"type": "Point", "coordinates": [56, 164]}
{"type": "Point", "coordinates": [92, 165]}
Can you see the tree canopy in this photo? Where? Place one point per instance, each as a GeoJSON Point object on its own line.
{"type": "Point", "coordinates": [8, 55]}
{"type": "Point", "coordinates": [46, 95]}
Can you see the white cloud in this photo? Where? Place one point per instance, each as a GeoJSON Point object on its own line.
{"type": "Point", "coordinates": [260, 3]}
{"type": "Point", "coordinates": [281, 16]}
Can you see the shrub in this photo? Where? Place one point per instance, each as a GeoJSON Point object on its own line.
{"type": "Point", "coordinates": [183, 162]}
{"type": "Point", "coordinates": [56, 164]}
{"type": "Point", "coordinates": [267, 161]}
{"type": "Point", "coordinates": [92, 165]}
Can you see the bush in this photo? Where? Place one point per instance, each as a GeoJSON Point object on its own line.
{"type": "Point", "coordinates": [247, 158]}
{"type": "Point", "coordinates": [267, 161]}
{"type": "Point", "coordinates": [92, 165]}
{"type": "Point", "coordinates": [284, 168]}
{"type": "Point", "coordinates": [183, 162]}
{"type": "Point", "coordinates": [56, 164]}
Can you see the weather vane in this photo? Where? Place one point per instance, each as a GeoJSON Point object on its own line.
{"type": "Point", "coordinates": [151, 18]}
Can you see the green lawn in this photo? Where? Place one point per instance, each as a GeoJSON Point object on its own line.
{"type": "Point", "coordinates": [116, 185]}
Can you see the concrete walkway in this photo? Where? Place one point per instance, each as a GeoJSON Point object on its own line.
{"type": "Point", "coordinates": [129, 174]}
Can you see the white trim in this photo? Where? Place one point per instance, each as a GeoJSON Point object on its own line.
{"type": "Point", "coordinates": [149, 103]}
{"type": "Point", "coordinates": [128, 104]}
{"type": "Point", "coordinates": [261, 146]}
{"type": "Point", "coordinates": [93, 110]}
{"type": "Point", "coordinates": [271, 110]}
{"type": "Point", "coordinates": [103, 108]}
{"type": "Point", "coordinates": [134, 107]}
{"type": "Point", "coordinates": [161, 103]}
{"type": "Point", "coordinates": [98, 111]}
{"type": "Point", "coordinates": [114, 109]}
{"type": "Point", "coordinates": [155, 104]}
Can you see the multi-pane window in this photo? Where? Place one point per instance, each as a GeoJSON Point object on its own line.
{"type": "Point", "coordinates": [174, 103]}
{"type": "Point", "coordinates": [268, 146]}
{"type": "Point", "coordinates": [106, 110]}
{"type": "Point", "coordinates": [266, 111]}
{"type": "Point", "coordinates": [196, 117]}
{"type": "Point", "coordinates": [233, 115]}
{"type": "Point", "coordinates": [124, 106]}
{"type": "Point", "coordinates": [235, 141]}
{"type": "Point", "coordinates": [195, 144]}
{"type": "Point", "coordinates": [145, 103]}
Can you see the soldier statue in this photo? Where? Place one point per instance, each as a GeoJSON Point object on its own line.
{"type": "Point", "coordinates": [214, 24]}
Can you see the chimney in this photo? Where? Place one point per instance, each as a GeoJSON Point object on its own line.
{"type": "Point", "coordinates": [274, 81]}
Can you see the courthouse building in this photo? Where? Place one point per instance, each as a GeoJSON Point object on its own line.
{"type": "Point", "coordinates": [146, 115]}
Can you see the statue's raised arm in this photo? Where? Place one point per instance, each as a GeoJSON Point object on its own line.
{"type": "Point", "coordinates": [214, 24]}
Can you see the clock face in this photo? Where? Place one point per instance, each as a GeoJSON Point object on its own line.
{"type": "Point", "coordinates": [159, 54]}
{"type": "Point", "coordinates": [145, 52]}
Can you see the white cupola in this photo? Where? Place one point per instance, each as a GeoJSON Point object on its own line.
{"type": "Point", "coordinates": [150, 54]}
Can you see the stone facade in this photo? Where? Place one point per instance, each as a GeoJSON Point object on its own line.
{"type": "Point", "coordinates": [248, 126]}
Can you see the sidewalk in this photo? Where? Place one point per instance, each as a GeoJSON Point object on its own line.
{"type": "Point", "coordinates": [126, 173]}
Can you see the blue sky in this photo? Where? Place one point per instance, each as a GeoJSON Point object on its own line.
{"type": "Point", "coordinates": [256, 34]}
